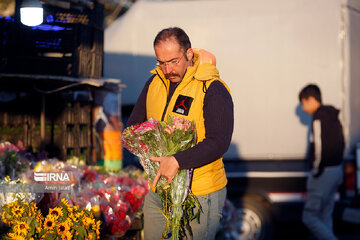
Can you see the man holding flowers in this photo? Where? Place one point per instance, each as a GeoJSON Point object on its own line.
{"type": "Point", "coordinates": [186, 84]}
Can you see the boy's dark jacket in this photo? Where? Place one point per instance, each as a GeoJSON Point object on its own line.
{"type": "Point", "coordinates": [332, 139]}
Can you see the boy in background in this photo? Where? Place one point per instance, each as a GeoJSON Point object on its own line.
{"type": "Point", "coordinates": [325, 159]}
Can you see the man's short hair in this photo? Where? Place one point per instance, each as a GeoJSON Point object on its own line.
{"type": "Point", "coordinates": [180, 36]}
{"type": "Point", "coordinates": [310, 90]}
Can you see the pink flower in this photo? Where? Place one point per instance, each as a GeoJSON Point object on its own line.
{"type": "Point", "coordinates": [147, 126]}
{"type": "Point", "coordinates": [169, 129]}
{"type": "Point", "coordinates": [133, 128]}
{"type": "Point", "coordinates": [181, 124]}
{"type": "Point", "coordinates": [20, 145]}
{"type": "Point", "coordinates": [7, 146]}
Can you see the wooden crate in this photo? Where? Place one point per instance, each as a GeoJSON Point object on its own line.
{"type": "Point", "coordinates": [68, 125]}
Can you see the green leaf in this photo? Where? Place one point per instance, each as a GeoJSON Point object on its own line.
{"type": "Point", "coordinates": [42, 232]}
{"type": "Point", "coordinates": [50, 236]}
{"type": "Point", "coordinates": [32, 226]}
{"type": "Point", "coordinates": [81, 230]}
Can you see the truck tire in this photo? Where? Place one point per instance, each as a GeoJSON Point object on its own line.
{"type": "Point", "coordinates": [253, 221]}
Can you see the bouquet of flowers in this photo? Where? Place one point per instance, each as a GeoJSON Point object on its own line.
{"type": "Point", "coordinates": [12, 161]}
{"type": "Point", "coordinates": [20, 192]}
{"type": "Point", "coordinates": [156, 139]}
{"type": "Point", "coordinates": [115, 198]}
{"type": "Point", "coordinates": [25, 221]}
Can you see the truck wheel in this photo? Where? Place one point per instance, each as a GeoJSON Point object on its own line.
{"type": "Point", "coordinates": [253, 220]}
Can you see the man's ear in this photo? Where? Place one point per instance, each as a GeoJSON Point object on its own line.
{"type": "Point", "coordinates": [189, 54]}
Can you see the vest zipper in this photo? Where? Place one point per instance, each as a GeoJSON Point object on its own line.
{"type": "Point", "coordinates": [166, 106]}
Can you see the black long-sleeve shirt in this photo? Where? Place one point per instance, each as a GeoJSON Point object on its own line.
{"type": "Point", "coordinates": [328, 144]}
{"type": "Point", "coordinates": [219, 123]}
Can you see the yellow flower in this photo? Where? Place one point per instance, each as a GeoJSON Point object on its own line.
{"type": "Point", "coordinates": [49, 222]}
{"type": "Point", "coordinates": [3, 217]}
{"type": "Point", "coordinates": [12, 205]}
{"type": "Point", "coordinates": [38, 229]}
{"type": "Point", "coordinates": [56, 212]}
{"type": "Point", "coordinates": [66, 202]}
{"type": "Point", "coordinates": [66, 236]}
{"type": "Point", "coordinates": [62, 227]}
{"type": "Point", "coordinates": [21, 228]}
{"type": "Point", "coordinates": [69, 222]}
{"type": "Point", "coordinates": [39, 217]}
{"type": "Point", "coordinates": [39, 220]}
{"type": "Point", "coordinates": [14, 236]}
{"type": "Point", "coordinates": [97, 230]}
{"type": "Point", "coordinates": [87, 221]}
{"type": "Point", "coordinates": [39, 224]}
{"type": "Point", "coordinates": [79, 215]}
{"type": "Point", "coordinates": [17, 211]}
{"type": "Point", "coordinates": [71, 216]}
{"type": "Point", "coordinates": [33, 208]}
{"type": "Point", "coordinates": [90, 236]}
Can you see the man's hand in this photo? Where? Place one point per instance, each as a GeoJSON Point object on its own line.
{"type": "Point", "coordinates": [168, 168]}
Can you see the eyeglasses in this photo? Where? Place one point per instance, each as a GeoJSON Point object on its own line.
{"type": "Point", "coordinates": [170, 63]}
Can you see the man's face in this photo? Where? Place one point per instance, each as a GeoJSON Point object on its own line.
{"type": "Point", "coordinates": [172, 59]}
{"type": "Point", "coordinates": [309, 105]}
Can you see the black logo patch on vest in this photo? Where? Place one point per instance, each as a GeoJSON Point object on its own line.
{"type": "Point", "coordinates": [182, 105]}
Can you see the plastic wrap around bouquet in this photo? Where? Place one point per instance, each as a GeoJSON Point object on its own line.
{"type": "Point", "coordinates": [155, 138]}
{"type": "Point", "coordinates": [113, 197]}
{"type": "Point", "coordinates": [14, 159]}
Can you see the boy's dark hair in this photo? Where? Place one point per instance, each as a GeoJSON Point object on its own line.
{"type": "Point", "coordinates": [181, 37]}
{"type": "Point", "coordinates": [310, 90]}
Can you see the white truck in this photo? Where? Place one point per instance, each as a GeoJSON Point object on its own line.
{"type": "Point", "coordinates": [266, 52]}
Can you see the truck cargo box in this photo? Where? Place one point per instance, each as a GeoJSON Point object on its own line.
{"type": "Point", "coordinates": [266, 52]}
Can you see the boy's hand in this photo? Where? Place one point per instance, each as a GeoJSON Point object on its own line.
{"type": "Point", "coordinates": [316, 173]}
{"type": "Point", "coordinates": [168, 168]}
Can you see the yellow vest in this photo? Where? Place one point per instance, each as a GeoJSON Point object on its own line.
{"type": "Point", "coordinates": [190, 91]}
